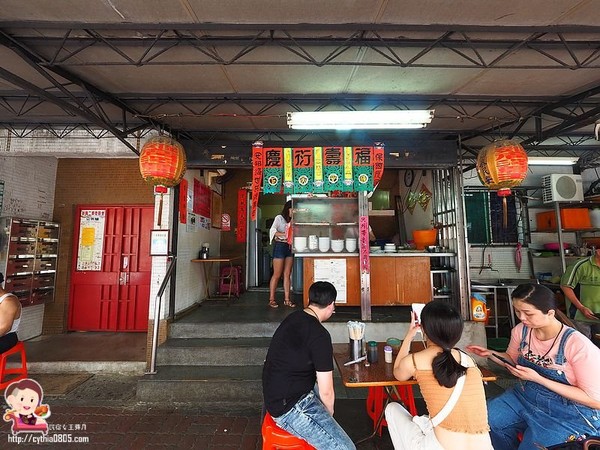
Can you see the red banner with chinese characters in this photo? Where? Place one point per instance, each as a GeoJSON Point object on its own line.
{"type": "Point", "coordinates": [363, 244]}
{"type": "Point", "coordinates": [257, 168]}
{"type": "Point", "coordinates": [202, 197]}
{"type": "Point", "coordinates": [378, 162]}
{"type": "Point", "coordinates": [242, 218]}
{"type": "Point", "coordinates": [315, 170]}
{"type": "Point", "coordinates": [183, 192]}
{"type": "Point", "coordinates": [273, 170]}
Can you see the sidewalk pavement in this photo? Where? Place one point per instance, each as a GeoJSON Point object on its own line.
{"type": "Point", "coordinates": [101, 412]}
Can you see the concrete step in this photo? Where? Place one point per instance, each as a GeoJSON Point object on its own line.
{"type": "Point", "coordinates": [213, 352]}
{"type": "Point", "coordinates": [202, 384]}
{"type": "Point", "coordinates": [222, 329]}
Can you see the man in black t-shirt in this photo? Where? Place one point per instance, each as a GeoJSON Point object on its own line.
{"type": "Point", "coordinates": [301, 354]}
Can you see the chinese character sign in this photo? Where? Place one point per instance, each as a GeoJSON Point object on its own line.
{"type": "Point", "coordinates": [257, 169]}
{"type": "Point", "coordinates": [306, 170]}
{"type": "Point", "coordinates": [273, 170]}
{"type": "Point", "coordinates": [332, 168]}
{"type": "Point", "coordinates": [303, 164]}
{"type": "Point", "coordinates": [362, 162]}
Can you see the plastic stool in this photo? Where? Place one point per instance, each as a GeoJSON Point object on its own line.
{"type": "Point", "coordinates": [275, 438]}
{"type": "Point", "coordinates": [20, 372]}
{"type": "Point", "coordinates": [229, 281]}
{"type": "Point", "coordinates": [376, 399]}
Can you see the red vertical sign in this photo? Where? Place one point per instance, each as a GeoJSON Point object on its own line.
{"type": "Point", "coordinates": [378, 162]}
{"type": "Point", "coordinates": [257, 168]}
{"type": "Point", "coordinates": [183, 188]}
{"type": "Point", "coordinates": [242, 217]}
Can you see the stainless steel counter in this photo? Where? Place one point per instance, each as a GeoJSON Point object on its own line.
{"type": "Point", "coordinates": [400, 254]}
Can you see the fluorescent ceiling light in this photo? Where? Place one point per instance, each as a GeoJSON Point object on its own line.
{"type": "Point", "coordinates": [552, 160]}
{"type": "Point", "coordinates": [352, 120]}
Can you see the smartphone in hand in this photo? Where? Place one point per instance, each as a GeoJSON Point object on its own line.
{"type": "Point", "coordinates": [417, 308]}
{"type": "Point", "coordinates": [504, 360]}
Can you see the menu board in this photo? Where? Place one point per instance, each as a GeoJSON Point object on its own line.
{"type": "Point", "coordinates": [334, 271]}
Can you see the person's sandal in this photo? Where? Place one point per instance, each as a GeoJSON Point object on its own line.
{"type": "Point", "coordinates": [273, 304]}
{"type": "Point", "coordinates": [289, 303]}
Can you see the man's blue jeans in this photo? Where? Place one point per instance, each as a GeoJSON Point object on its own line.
{"type": "Point", "coordinates": [310, 420]}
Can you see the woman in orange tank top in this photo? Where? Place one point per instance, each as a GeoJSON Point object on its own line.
{"type": "Point", "coordinates": [457, 422]}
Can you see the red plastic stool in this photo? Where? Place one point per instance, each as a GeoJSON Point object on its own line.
{"type": "Point", "coordinates": [20, 372]}
{"type": "Point", "coordinates": [275, 438]}
{"type": "Point", "coordinates": [229, 281]}
{"type": "Point", "coordinates": [376, 399]}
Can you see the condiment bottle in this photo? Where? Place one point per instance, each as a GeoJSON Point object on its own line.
{"type": "Point", "coordinates": [372, 356]}
{"type": "Point", "coordinates": [387, 351]}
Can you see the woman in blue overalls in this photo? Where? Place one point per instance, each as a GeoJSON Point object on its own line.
{"type": "Point", "coordinates": [557, 398]}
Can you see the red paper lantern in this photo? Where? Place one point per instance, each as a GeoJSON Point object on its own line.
{"type": "Point", "coordinates": [502, 165]}
{"type": "Point", "coordinates": [162, 161]}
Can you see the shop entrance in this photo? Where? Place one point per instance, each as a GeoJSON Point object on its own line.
{"type": "Point", "coordinates": [110, 275]}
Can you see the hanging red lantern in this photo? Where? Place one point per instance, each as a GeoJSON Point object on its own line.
{"type": "Point", "coordinates": [162, 163]}
{"type": "Point", "coordinates": [501, 166]}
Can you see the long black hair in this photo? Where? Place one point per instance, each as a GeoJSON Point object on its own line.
{"type": "Point", "coordinates": [443, 325]}
{"type": "Point", "coordinates": [542, 298]}
{"type": "Point", "coordinates": [285, 212]}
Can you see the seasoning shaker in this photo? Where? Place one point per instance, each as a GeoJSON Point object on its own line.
{"type": "Point", "coordinates": [387, 351]}
{"type": "Point", "coordinates": [372, 356]}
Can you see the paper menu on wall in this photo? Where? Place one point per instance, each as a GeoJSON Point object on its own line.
{"type": "Point", "coordinates": [334, 271]}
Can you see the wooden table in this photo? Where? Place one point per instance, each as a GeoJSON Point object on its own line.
{"type": "Point", "coordinates": [207, 267]}
{"type": "Point", "coordinates": [383, 386]}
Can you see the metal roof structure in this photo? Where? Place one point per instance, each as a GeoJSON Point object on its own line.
{"type": "Point", "coordinates": [222, 74]}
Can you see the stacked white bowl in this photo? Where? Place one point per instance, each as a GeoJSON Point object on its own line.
{"type": "Point", "coordinates": [351, 244]}
{"type": "Point", "coordinates": [300, 243]}
{"type": "Point", "coordinates": [313, 242]}
{"type": "Point", "coordinates": [324, 244]}
{"type": "Point", "coordinates": [389, 248]}
{"type": "Point", "coordinates": [337, 245]}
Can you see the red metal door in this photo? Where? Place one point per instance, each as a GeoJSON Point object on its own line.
{"type": "Point", "coordinates": [111, 290]}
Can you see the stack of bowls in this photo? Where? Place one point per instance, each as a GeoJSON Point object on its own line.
{"type": "Point", "coordinates": [324, 244]}
{"type": "Point", "coordinates": [337, 245]}
{"type": "Point", "coordinates": [389, 248]}
{"type": "Point", "coordinates": [351, 244]}
{"type": "Point", "coordinates": [300, 243]}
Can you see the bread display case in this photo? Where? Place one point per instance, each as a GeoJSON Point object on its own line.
{"type": "Point", "coordinates": [28, 258]}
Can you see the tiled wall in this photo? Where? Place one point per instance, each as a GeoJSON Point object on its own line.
{"type": "Point", "coordinates": [88, 181]}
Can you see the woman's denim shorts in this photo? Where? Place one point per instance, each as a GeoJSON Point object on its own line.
{"type": "Point", "coordinates": [282, 250]}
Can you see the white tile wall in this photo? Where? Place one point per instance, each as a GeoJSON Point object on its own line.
{"type": "Point", "coordinates": [189, 279]}
{"type": "Point", "coordinates": [29, 193]}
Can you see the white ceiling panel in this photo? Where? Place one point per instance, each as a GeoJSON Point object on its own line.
{"type": "Point", "coordinates": [233, 67]}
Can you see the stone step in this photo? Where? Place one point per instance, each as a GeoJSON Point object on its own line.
{"type": "Point", "coordinates": [239, 351]}
{"type": "Point", "coordinates": [223, 329]}
{"type": "Point", "coordinates": [203, 384]}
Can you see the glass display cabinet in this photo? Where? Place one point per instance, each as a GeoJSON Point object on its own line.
{"type": "Point", "coordinates": [318, 222]}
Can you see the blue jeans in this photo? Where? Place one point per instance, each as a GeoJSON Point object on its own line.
{"type": "Point", "coordinates": [545, 418]}
{"type": "Point", "coordinates": [310, 420]}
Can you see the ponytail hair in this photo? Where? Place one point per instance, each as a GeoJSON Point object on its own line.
{"type": "Point", "coordinates": [443, 325]}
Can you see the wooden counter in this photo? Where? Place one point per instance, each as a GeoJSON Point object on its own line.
{"type": "Point", "coordinates": [397, 279]}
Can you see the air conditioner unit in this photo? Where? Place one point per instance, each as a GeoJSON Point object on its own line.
{"type": "Point", "coordinates": [559, 187]}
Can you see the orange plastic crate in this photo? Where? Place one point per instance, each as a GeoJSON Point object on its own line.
{"type": "Point", "coordinates": [572, 218]}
